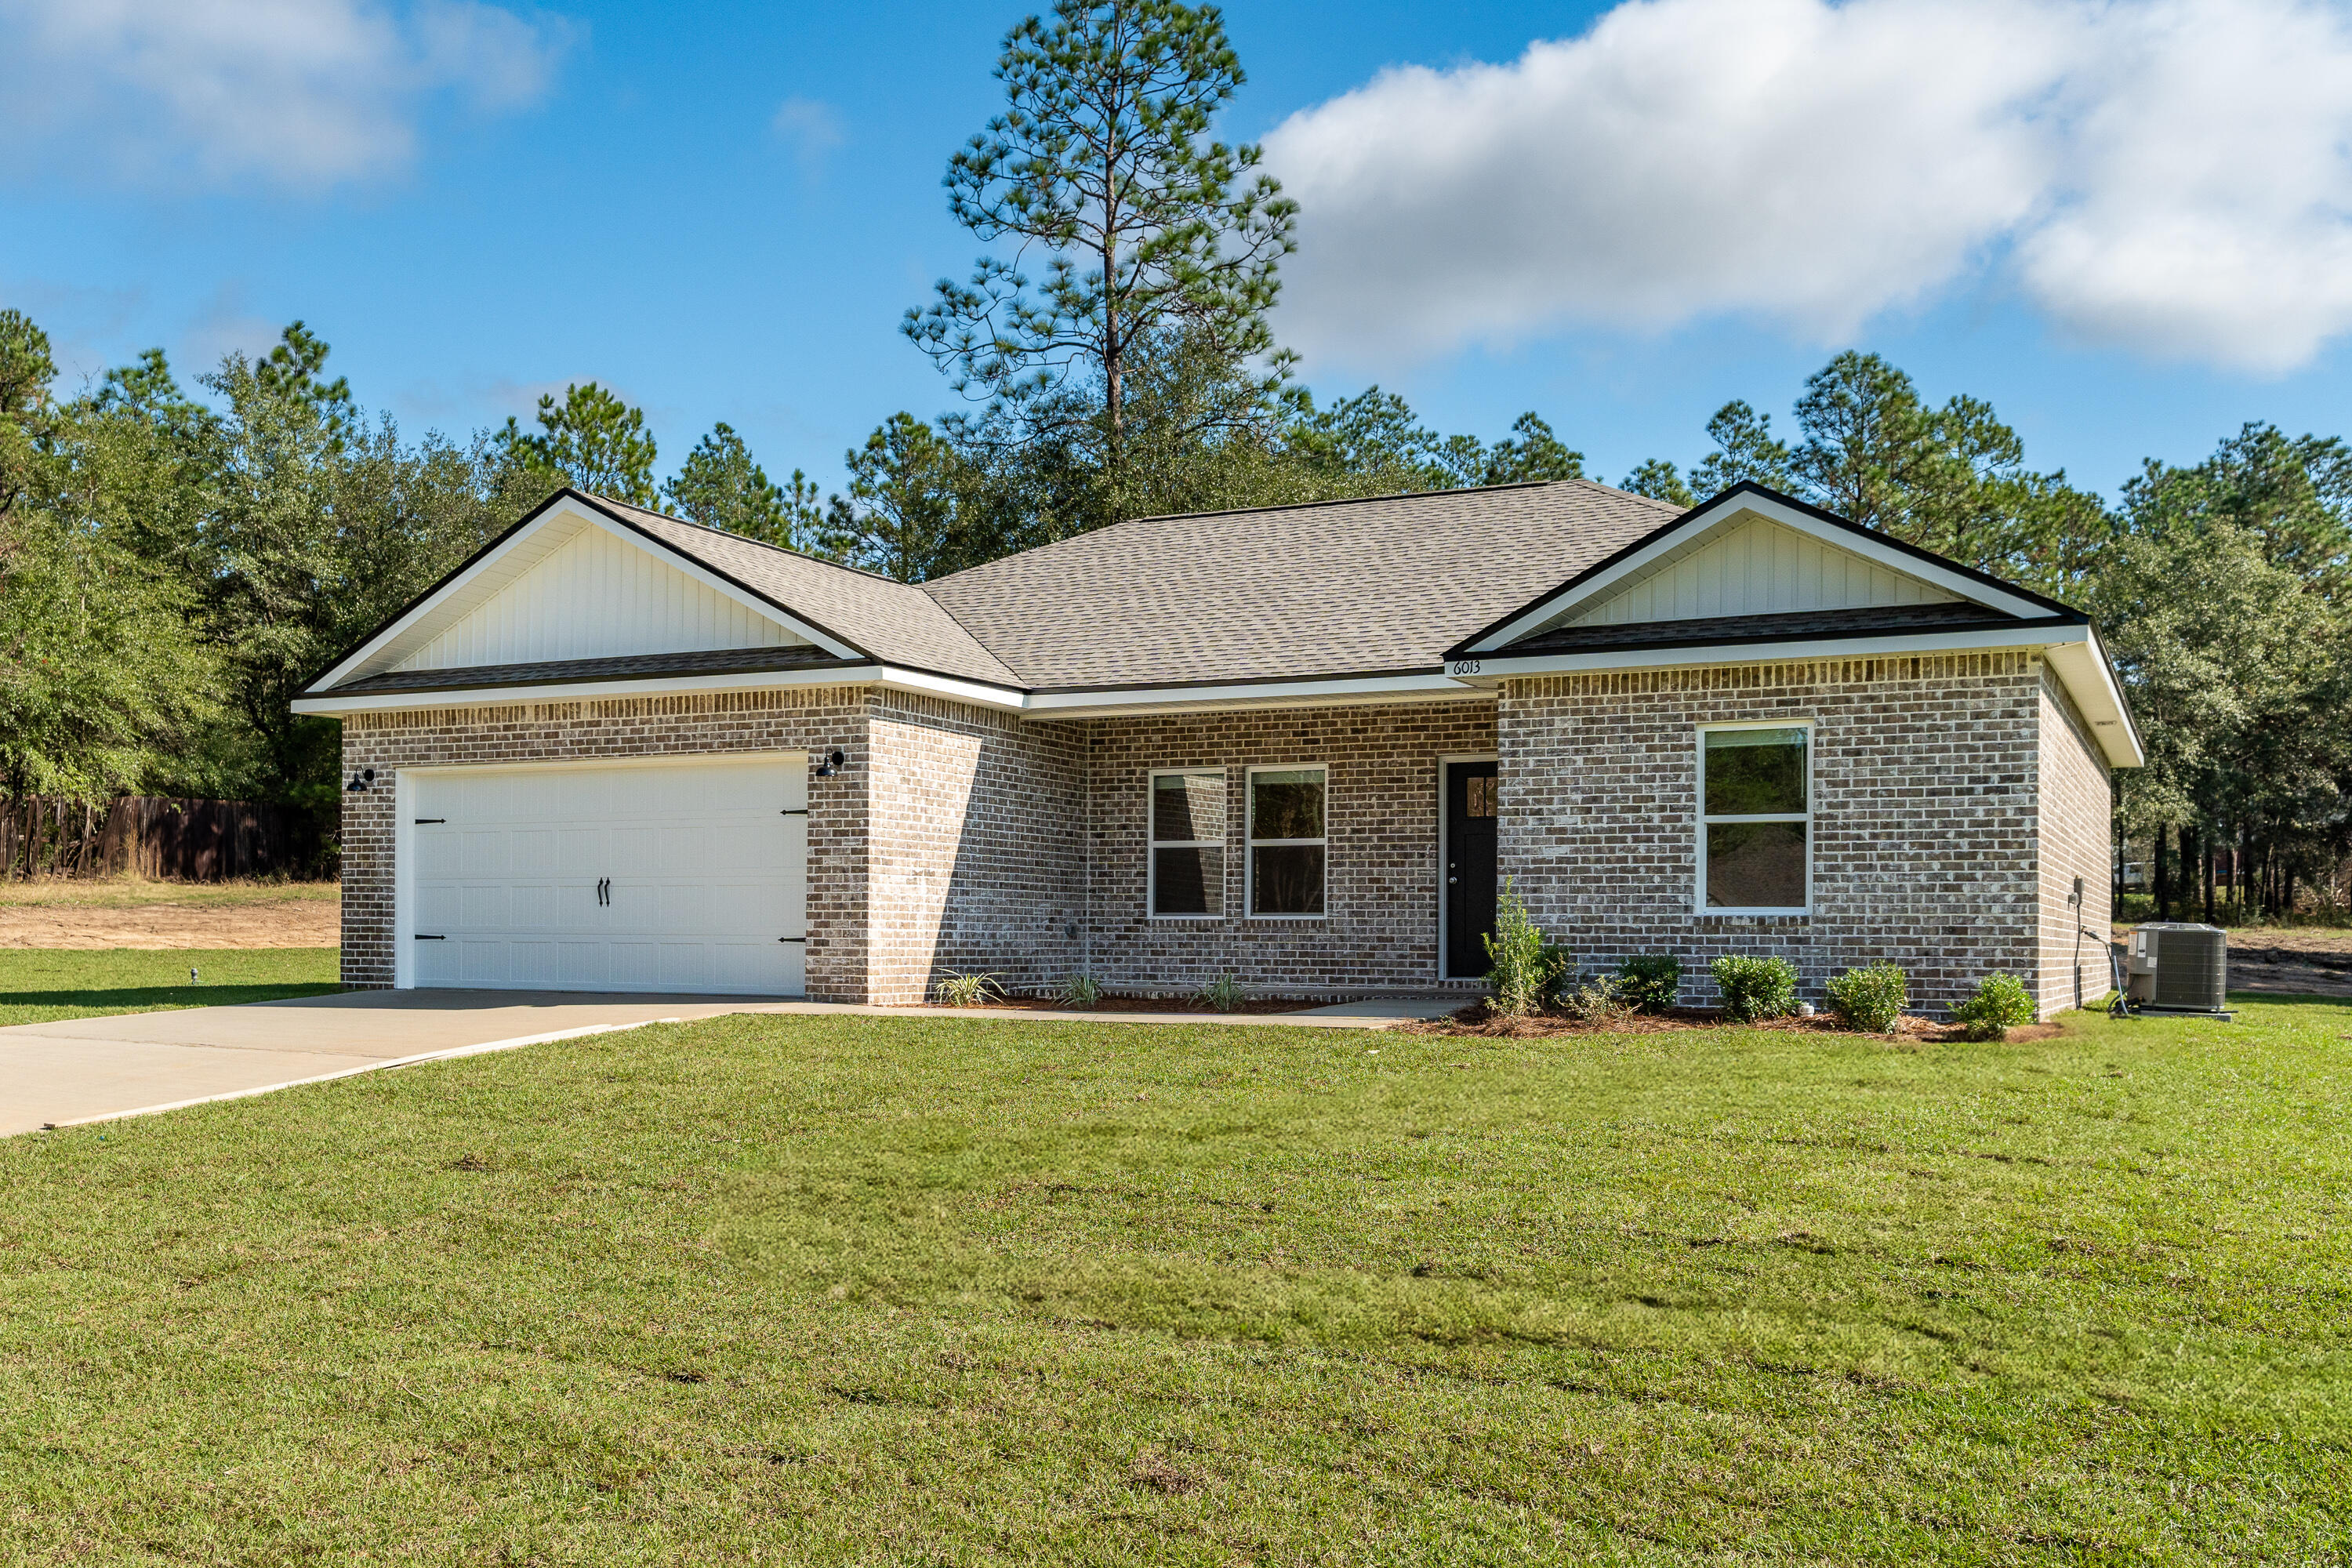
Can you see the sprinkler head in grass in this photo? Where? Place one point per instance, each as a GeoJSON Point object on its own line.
{"type": "Point", "coordinates": [192, 977]}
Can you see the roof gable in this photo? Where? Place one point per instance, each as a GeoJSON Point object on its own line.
{"type": "Point", "coordinates": [1749, 564]}
{"type": "Point", "coordinates": [589, 593]}
{"type": "Point", "coordinates": [1751, 551]}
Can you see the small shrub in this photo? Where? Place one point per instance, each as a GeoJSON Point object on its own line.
{"type": "Point", "coordinates": [1517, 950]}
{"type": "Point", "coordinates": [1224, 992]}
{"type": "Point", "coordinates": [2001, 1003]}
{"type": "Point", "coordinates": [1081, 991]}
{"type": "Point", "coordinates": [1558, 966]}
{"type": "Point", "coordinates": [954, 989]}
{"type": "Point", "coordinates": [1756, 988]}
{"type": "Point", "coordinates": [1651, 982]}
{"type": "Point", "coordinates": [1600, 1000]}
{"type": "Point", "coordinates": [1869, 999]}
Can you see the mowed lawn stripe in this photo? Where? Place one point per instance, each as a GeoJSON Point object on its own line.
{"type": "Point", "coordinates": [872, 1290]}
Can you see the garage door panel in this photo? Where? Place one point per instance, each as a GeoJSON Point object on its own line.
{"type": "Point", "coordinates": [705, 869]}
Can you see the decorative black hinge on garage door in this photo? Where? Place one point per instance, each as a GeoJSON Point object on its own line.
{"type": "Point", "coordinates": [793, 811]}
{"type": "Point", "coordinates": [423, 820]}
{"type": "Point", "coordinates": [421, 937]}
{"type": "Point", "coordinates": [792, 938]}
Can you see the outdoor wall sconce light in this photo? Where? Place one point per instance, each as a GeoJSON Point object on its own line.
{"type": "Point", "coordinates": [361, 781]}
{"type": "Point", "coordinates": [830, 766]}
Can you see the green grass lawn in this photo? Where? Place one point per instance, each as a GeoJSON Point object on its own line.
{"type": "Point", "coordinates": [930, 1290]}
{"type": "Point", "coordinates": [38, 985]}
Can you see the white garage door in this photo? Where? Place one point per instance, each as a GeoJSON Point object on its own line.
{"type": "Point", "coordinates": [653, 876]}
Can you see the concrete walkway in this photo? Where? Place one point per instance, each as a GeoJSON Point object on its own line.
{"type": "Point", "coordinates": [130, 1064]}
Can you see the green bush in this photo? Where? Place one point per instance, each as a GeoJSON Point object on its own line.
{"type": "Point", "coordinates": [1525, 966]}
{"type": "Point", "coordinates": [1558, 966]}
{"type": "Point", "coordinates": [957, 990]}
{"type": "Point", "coordinates": [1224, 992]}
{"type": "Point", "coordinates": [1756, 988]}
{"type": "Point", "coordinates": [1599, 1000]}
{"type": "Point", "coordinates": [1869, 999]}
{"type": "Point", "coordinates": [2001, 1003]}
{"type": "Point", "coordinates": [1651, 982]}
{"type": "Point", "coordinates": [1081, 991]}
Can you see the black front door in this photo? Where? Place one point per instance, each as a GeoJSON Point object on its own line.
{"type": "Point", "coordinates": [1469, 866]}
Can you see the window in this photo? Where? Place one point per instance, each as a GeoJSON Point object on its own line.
{"type": "Point", "coordinates": [1188, 844]}
{"type": "Point", "coordinates": [1755, 821]}
{"type": "Point", "coordinates": [1285, 841]}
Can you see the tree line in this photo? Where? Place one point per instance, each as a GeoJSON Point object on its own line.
{"type": "Point", "coordinates": [174, 565]}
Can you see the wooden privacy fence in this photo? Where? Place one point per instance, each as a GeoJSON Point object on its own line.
{"type": "Point", "coordinates": [169, 840]}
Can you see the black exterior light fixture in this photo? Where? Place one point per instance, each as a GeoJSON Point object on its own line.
{"type": "Point", "coordinates": [361, 781]}
{"type": "Point", "coordinates": [830, 764]}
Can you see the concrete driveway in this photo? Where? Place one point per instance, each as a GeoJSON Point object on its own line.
{"type": "Point", "coordinates": [93, 1069]}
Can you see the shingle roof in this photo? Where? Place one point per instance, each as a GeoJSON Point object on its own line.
{"type": "Point", "coordinates": [629, 666]}
{"type": "Point", "coordinates": [897, 623]}
{"type": "Point", "coordinates": [1339, 587]}
{"type": "Point", "coordinates": [1805, 624]}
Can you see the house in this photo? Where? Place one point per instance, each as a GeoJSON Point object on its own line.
{"type": "Point", "coordinates": [1299, 745]}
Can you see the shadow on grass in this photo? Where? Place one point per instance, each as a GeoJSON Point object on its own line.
{"type": "Point", "coordinates": [142, 998]}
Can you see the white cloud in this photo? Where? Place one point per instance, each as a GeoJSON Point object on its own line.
{"type": "Point", "coordinates": [812, 128]}
{"type": "Point", "coordinates": [2172, 176]}
{"type": "Point", "coordinates": [303, 94]}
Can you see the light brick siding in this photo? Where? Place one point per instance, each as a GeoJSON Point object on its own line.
{"type": "Point", "coordinates": [1923, 817]}
{"type": "Point", "coordinates": [1380, 928]}
{"type": "Point", "coordinates": [958, 837]}
{"type": "Point", "coordinates": [815, 720]}
{"type": "Point", "coordinates": [977, 861]}
{"type": "Point", "coordinates": [2077, 805]}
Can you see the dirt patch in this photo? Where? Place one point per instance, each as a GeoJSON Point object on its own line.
{"type": "Point", "coordinates": [1475, 1020]}
{"type": "Point", "coordinates": [290, 923]}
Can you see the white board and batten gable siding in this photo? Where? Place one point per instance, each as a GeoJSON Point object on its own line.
{"type": "Point", "coordinates": [595, 596]}
{"type": "Point", "coordinates": [1755, 567]}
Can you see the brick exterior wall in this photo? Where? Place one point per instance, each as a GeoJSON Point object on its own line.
{"type": "Point", "coordinates": [2077, 802]}
{"type": "Point", "coordinates": [977, 864]}
{"type": "Point", "coordinates": [815, 720]}
{"type": "Point", "coordinates": [1924, 814]}
{"type": "Point", "coordinates": [1955, 799]}
{"type": "Point", "coordinates": [1380, 925]}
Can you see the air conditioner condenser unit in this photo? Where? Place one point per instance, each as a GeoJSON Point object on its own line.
{"type": "Point", "coordinates": [2176, 968]}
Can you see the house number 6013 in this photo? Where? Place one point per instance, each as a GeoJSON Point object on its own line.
{"type": "Point", "coordinates": [1463, 666]}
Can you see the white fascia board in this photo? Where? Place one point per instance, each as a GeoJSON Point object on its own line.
{"type": "Point", "coordinates": [721, 585]}
{"type": "Point", "coordinates": [1354, 692]}
{"type": "Point", "coordinates": [329, 705]}
{"type": "Point", "coordinates": [2091, 680]}
{"type": "Point", "coordinates": [1690, 528]}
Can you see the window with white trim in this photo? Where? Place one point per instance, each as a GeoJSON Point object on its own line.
{"type": "Point", "coordinates": [1755, 834]}
{"type": "Point", "coordinates": [1188, 843]}
{"type": "Point", "coordinates": [1286, 841]}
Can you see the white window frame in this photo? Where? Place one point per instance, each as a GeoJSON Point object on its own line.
{"type": "Point", "coordinates": [1152, 846]}
{"type": "Point", "coordinates": [1252, 842]}
{"type": "Point", "coordinates": [1700, 815]}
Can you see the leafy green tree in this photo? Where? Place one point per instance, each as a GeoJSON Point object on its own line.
{"type": "Point", "coordinates": [1660, 480]}
{"type": "Point", "coordinates": [1103, 162]}
{"type": "Point", "coordinates": [2293, 494]}
{"type": "Point", "coordinates": [1744, 450]}
{"type": "Point", "coordinates": [591, 441]}
{"type": "Point", "coordinates": [900, 516]}
{"type": "Point", "coordinates": [720, 486]}
{"type": "Point", "coordinates": [1531, 453]}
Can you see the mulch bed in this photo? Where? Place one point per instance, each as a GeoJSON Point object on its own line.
{"type": "Point", "coordinates": [1144, 1005]}
{"type": "Point", "coordinates": [1475, 1020]}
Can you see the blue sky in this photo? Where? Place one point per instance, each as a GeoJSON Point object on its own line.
{"type": "Point", "coordinates": [722, 210]}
